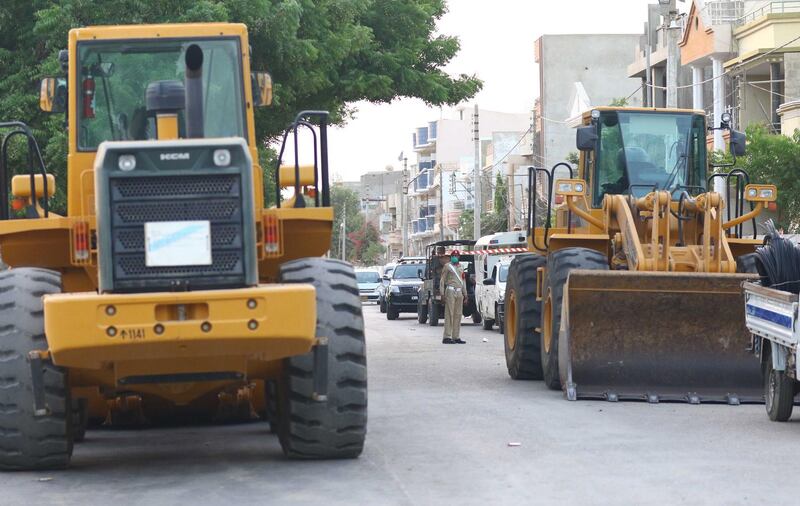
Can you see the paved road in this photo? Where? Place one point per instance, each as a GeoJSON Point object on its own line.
{"type": "Point", "coordinates": [441, 418]}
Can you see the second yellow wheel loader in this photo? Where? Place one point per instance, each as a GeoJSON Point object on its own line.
{"type": "Point", "coordinates": [631, 289]}
{"type": "Point", "coordinates": [168, 286]}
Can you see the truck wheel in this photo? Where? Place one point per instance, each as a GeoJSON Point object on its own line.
{"type": "Point", "coordinates": [477, 318]}
{"type": "Point", "coordinates": [498, 321]}
{"type": "Point", "coordinates": [391, 312]}
{"type": "Point", "coordinates": [29, 442]}
{"type": "Point", "coordinates": [335, 428]}
{"type": "Point", "coordinates": [778, 393]}
{"type": "Point", "coordinates": [433, 312]}
{"type": "Point", "coordinates": [382, 303]}
{"type": "Point", "coordinates": [422, 312]}
{"type": "Point", "coordinates": [522, 318]}
{"type": "Point", "coordinates": [487, 324]}
{"type": "Point", "coordinates": [559, 265]}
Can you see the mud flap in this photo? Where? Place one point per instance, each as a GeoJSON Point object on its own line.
{"type": "Point", "coordinates": [657, 337]}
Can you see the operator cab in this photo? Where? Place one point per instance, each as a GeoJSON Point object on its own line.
{"type": "Point", "coordinates": [637, 151]}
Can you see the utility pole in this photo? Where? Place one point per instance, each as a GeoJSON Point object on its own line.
{"type": "Point", "coordinates": [403, 192]}
{"type": "Point", "coordinates": [441, 203]}
{"type": "Point", "coordinates": [343, 232]}
{"type": "Point", "coordinates": [672, 32]}
{"type": "Point", "coordinates": [476, 175]}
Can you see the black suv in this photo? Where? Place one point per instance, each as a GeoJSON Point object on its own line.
{"type": "Point", "coordinates": [403, 290]}
{"type": "Point", "coordinates": [430, 305]}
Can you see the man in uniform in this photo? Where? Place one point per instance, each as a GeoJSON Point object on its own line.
{"type": "Point", "coordinates": [454, 291]}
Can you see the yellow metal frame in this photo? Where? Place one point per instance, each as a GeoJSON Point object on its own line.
{"type": "Point", "coordinates": [107, 329]}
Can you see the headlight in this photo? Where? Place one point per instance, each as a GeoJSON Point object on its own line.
{"type": "Point", "coordinates": [222, 157]}
{"type": "Point", "coordinates": [766, 193]}
{"type": "Point", "coordinates": [752, 192]}
{"type": "Point", "coordinates": [126, 163]}
{"type": "Point", "coordinates": [394, 289]}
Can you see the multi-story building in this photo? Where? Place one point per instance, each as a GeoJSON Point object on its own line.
{"type": "Point", "coordinates": [441, 185]}
{"type": "Point", "coordinates": [577, 72]}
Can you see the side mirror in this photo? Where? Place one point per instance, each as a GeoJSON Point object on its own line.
{"type": "Point", "coordinates": [53, 94]}
{"type": "Point", "coordinates": [738, 143]}
{"type": "Point", "coordinates": [385, 277]}
{"type": "Point", "coordinates": [586, 138]}
{"type": "Point", "coordinates": [262, 88]}
{"type": "Point", "coordinates": [488, 281]}
{"type": "Point", "coordinates": [419, 274]}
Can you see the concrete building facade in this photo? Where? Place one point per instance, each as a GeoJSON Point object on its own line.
{"type": "Point", "coordinates": [577, 72]}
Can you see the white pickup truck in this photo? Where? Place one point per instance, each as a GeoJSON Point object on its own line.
{"type": "Point", "coordinates": [493, 255]}
{"type": "Point", "coordinates": [772, 318]}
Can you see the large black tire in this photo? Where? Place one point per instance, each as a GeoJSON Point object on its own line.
{"type": "Point", "coordinates": [422, 312]}
{"type": "Point", "coordinates": [779, 390]}
{"type": "Point", "coordinates": [29, 442]}
{"type": "Point", "coordinates": [391, 312]}
{"type": "Point", "coordinates": [521, 340]}
{"type": "Point", "coordinates": [559, 265]}
{"type": "Point", "coordinates": [335, 428]}
{"type": "Point", "coordinates": [433, 312]}
{"type": "Point", "coordinates": [382, 304]}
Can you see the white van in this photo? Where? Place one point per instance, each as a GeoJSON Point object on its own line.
{"type": "Point", "coordinates": [493, 255]}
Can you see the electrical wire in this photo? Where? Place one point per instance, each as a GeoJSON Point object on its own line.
{"type": "Point", "coordinates": [778, 261]}
{"type": "Point", "coordinates": [736, 67]}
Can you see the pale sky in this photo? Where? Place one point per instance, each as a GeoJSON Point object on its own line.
{"type": "Point", "coordinates": [497, 38]}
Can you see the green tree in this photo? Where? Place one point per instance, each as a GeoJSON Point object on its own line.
{"type": "Point", "coordinates": [367, 248]}
{"type": "Point", "coordinates": [619, 102]}
{"type": "Point", "coordinates": [491, 222]}
{"type": "Point", "coordinates": [323, 54]}
{"type": "Point", "coordinates": [500, 195]}
{"type": "Point", "coordinates": [344, 201]}
{"type": "Point", "coordinates": [775, 159]}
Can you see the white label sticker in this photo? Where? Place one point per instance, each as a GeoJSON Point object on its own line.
{"type": "Point", "coordinates": [175, 243]}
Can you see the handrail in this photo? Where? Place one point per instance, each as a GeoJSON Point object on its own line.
{"type": "Point", "coordinates": [320, 159]}
{"type": "Point", "coordinates": [33, 148]}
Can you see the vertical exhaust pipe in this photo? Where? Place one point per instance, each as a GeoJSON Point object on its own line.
{"type": "Point", "coordinates": [194, 92]}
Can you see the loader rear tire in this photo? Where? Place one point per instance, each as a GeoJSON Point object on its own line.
{"type": "Point", "coordinates": [522, 318]}
{"type": "Point", "coordinates": [335, 428]}
{"type": "Point", "coordinates": [559, 265]}
{"type": "Point", "coordinates": [29, 442]}
{"type": "Point", "coordinates": [779, 391]}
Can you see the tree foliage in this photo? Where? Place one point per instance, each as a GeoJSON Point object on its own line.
{"type": "Point", "coordinates": [775, 159]}
{"type": "Point", "coordinates": [322, 54]}
{"type": "Point", "coordinates": [491, 223]}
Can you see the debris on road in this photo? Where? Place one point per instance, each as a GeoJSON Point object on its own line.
{"type": "Point", "coordinates": [514, 444]}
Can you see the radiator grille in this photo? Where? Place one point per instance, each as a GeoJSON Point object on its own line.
{"type": "Point", "coordinates": [137, 200]}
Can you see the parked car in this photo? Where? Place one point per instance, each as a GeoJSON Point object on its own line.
{"type": "Point", "coordinates": [368, 282]}
{"type": "Point", "coordinates": [430, 303]}
{"type": "Point", "coordinates": [490, 295]}
{"type": "Point", "coordinates": [382, 288]}
{"type": "Point", "coordinates": [403, 290]}
{"type": "Point", "coordinates": [492, 251]}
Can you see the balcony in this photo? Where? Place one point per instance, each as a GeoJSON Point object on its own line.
{"type": "Point", "coordinates": [777, 7]}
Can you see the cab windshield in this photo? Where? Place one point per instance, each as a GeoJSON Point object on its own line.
{"type": "Point", "coordinates": [643, 151]}
{"type": "Point", "coordinates": [119, 72]}
{"type": "Point", "coordinates": [407, 271]}
{"type": "Point", "coordinates": [367, 277]}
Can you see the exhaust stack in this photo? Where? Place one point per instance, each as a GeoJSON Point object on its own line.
{"type": "Point", "coordinates": [194, 92]}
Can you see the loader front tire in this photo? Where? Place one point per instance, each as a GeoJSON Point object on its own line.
{"type": "Point", "coordinates": [29, 442]}
{"type": "Point", "coordinates": [559, 265]}
{"type": "Point", "coordinates": [334, 428]}
{"type": "Point", "coordinates": [522, 318]}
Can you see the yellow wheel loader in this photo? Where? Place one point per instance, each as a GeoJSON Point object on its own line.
{"type": "Point", "coordinates": [168, 287]}
{"type": "Point", "coordinates": [632, 286]}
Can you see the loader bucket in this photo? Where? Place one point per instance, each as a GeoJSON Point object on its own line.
{"type": "Point", "coordinates": [657, 336]}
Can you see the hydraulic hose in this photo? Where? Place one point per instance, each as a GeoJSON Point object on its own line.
{"type": "Point", "coordinates": [779, 262]}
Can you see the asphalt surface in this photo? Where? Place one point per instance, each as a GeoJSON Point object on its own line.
{"type": "Point", "coordinates": [441, 420]}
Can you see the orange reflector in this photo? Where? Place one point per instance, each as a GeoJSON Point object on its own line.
{"type": "Point", "coordinates": [19, 203]}
{"type": "Point", "coordinates": [272, 240]}
{"type": "Point", "coordinates": [80, 240]}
